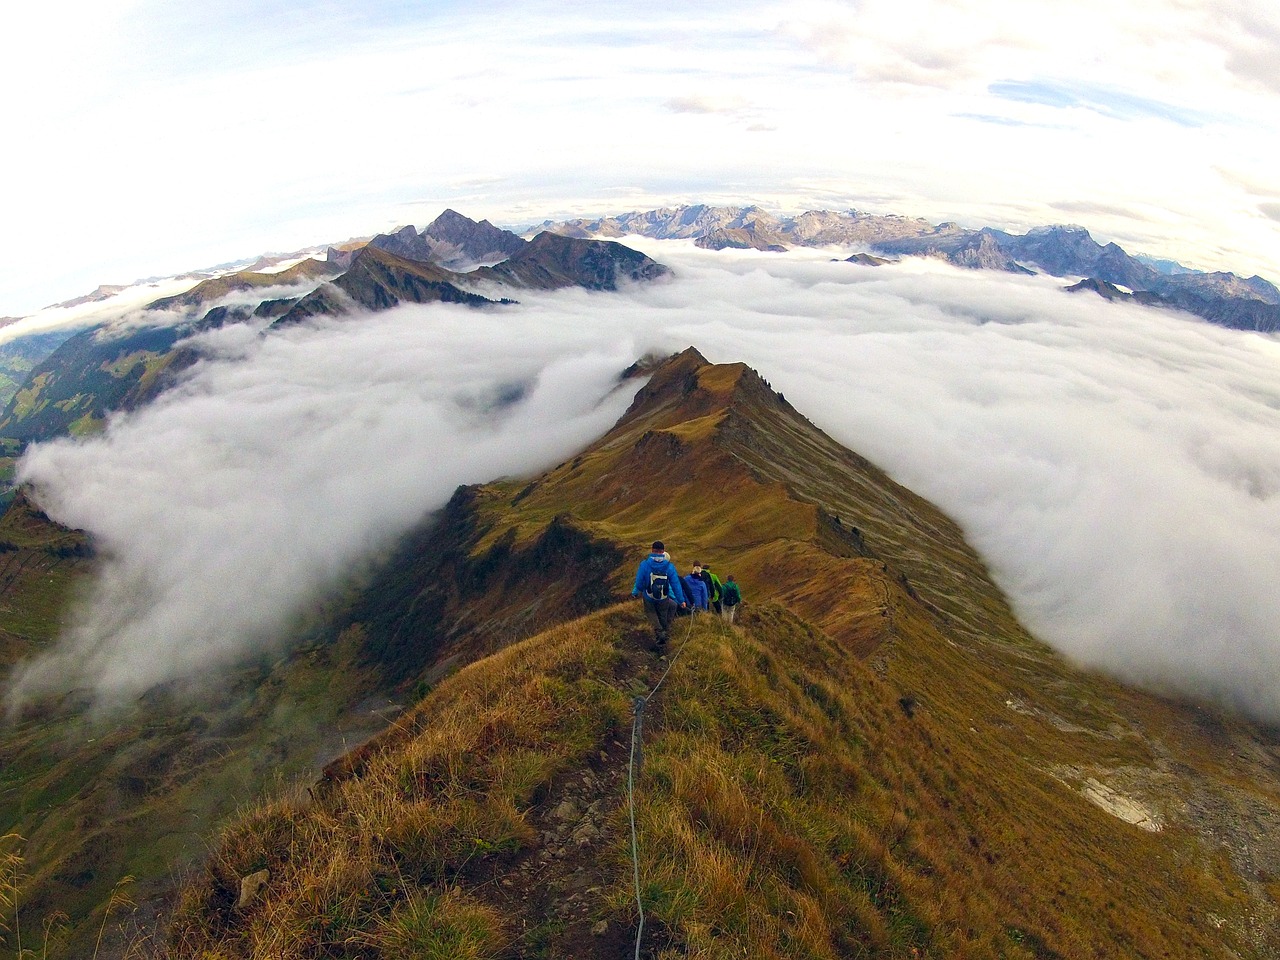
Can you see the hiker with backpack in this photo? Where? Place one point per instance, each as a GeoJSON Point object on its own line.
{"type": "Point", "coordinates": [712, 582]}
{"type": "Point", "coordinates": [658, 585]}
{"type": "Point", "coordinates": [695, 592]}
{"type": "Point", "coordinates": [730, 597]}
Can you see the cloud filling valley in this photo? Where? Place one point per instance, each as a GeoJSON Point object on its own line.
{"type": "Point", "coordinates": [1117, 466]}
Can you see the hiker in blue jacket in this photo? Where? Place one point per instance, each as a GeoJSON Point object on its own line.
{"type": "Point", "coordinates": [658, 585]}
{"type": "Point", "coordinates": [695, 591]}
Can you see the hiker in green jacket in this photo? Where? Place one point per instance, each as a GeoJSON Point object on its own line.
{"type": "Point", "coordinates": [713, 584]}
{"type": "Point", "coordinates": [730, 597]}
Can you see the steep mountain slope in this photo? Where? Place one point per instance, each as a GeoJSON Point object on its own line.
{"type": "Point", "coordinates": [406, 242]}
{"type": "Point", "coordinates": [379, 280]}
{"type": "Point", "coordinates": [18, 357]}
{"type": "Point", "coordinates": [90, 374]}
{"type": "Point", "coordinates": [123, 801]}
{"type": "Point", "coordinates": [214, 289]}
{"type": "Point", "coordinates": [880, 761]}
{"type": "Point", "coordinates": [452, 241]}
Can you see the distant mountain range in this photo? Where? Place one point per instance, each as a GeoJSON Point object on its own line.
{"type": "Point", "coordinates": [1061, 251]}
{"type": "Point", "coordinates": [82, 377]}
{"type": "Point", "coordinates": [50, 392]}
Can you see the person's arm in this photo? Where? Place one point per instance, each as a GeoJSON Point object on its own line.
{"type": "Point", "coordinates": [640, 572]}
{"type": "Point", "coordinates": [677, 588]}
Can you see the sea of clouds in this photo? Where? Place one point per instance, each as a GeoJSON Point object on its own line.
{"type": "Point", "coordinates": [1117, 466]}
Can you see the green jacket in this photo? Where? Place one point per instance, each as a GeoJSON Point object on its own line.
{"type": "Point", "coordinates": [732, 595]}
{"type": "Point", "coordinates": [714, 587]}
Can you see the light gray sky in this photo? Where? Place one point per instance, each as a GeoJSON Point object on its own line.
{"type": "Point", "coordinates": [149, 137]}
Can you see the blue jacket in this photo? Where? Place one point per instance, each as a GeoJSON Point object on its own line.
{"type": "Point", "coordinates": [655, 563]}
{"type": "Point", "coordinates": [695, 590]}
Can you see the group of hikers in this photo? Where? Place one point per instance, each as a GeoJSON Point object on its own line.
{"type": "Point", "coordinates": [667, 595]}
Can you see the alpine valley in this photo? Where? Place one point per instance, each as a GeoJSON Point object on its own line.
{"type": "Point", "coordinates": [439, 755]}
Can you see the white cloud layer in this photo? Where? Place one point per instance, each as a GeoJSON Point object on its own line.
{"type": "Point", "coordinates": [234, 500]}
{"type": "Point", "coordinates": [1118, 467]}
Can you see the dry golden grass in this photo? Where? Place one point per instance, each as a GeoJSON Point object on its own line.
{"type": "Point", "coordinates": [789, 807]}
{"type": "Point", "coordinates": [372, 865]}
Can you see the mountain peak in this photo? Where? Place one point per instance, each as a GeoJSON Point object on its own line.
{"type": "Point", "coordinates": [552, 260]}
{"type": "Point", "coordinates": [449, 220]}
{"type": "Point", "coordinates": [674, 386]}
{"type": "Point", "coordinates": [1059, 228]}
{"type": "Point", "coordinates": [460, 242]}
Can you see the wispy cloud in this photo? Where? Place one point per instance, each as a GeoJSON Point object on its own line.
{"type": "Point", "coordinates": [705, 104]}
{"type": "Point", "coordinates": [1118, 467]}
{"type": "Point", "coordinates": [1094, 208]}
{"type": "Point", "coordinates": [1109, 102]}
{"type": "Point", "coordinates": [995, 119]}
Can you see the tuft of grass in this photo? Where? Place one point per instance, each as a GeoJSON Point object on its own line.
{"type": "Point", "coordinates": [446, 926]}
{"type": "Point", "coordinates": [11, 869]}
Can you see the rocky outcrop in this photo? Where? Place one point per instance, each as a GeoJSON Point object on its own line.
{"type": "Point", "coordinates": [405, 242]}
{"type": "Point", "coordinates": [867, 260]}
{"type": "Point", "coordinates": [379, 280]}
{"type": "Point", "coordinates": [551, 261]}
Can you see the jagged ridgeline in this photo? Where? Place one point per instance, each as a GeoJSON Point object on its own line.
{"type": "Point", "coordinates": [877, 760]}
{"type": "Point", "coordinates": [1062, 250]}
{"type": "Point", "coordinates": [67, 384]}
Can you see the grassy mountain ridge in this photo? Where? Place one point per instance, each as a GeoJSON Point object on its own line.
{"type": "Point", "coordinates": [880, 762]}
{"type": "Point", "coordinates": [216, 288]}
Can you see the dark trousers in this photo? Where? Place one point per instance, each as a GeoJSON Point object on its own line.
{"type": "Point", "coordinates": [660, 614]}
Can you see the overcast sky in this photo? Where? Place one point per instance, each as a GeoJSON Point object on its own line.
{"type": "Point", "coordinates": [148, 137]}
{"type": "Point", "coordinates": [1118, 466]}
